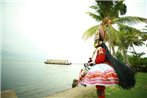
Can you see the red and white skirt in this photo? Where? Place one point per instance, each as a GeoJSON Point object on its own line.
{"type": "Point", "coordinates": [99, 74]}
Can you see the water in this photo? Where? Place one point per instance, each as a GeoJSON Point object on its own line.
{"type": "Point", "coordinates": [37, 80]}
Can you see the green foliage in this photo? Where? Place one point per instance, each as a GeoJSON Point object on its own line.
{"type": "Point", "coordinates": [119, 56]}
{"type": "Point", "coordinates": [94, 16]}
{"type": "Point", "coordinates": [90, 32]}
{"type": "Point", "coordinates": [130, 20]}
{"type": "Point", "coordinates": [110, 8]}
{"type": "Point", "coordinates": [130, 36]}
{"type": "Point", "coordinates": [138, 64]}
{"type": "Point", "coordinates": [139, 91]}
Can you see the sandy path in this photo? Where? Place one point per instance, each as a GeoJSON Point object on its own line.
{"type": "Point", "coordinates": [74, 92]}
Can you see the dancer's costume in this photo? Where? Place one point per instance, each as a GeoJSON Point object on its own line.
{"type": "Point", "coordinates": [101, 73]}
{"type": "Point", "coordinates": [106, 71]}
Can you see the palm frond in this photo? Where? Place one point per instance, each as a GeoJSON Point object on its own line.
{"type": "Point", "coordinates": [118, 8]}
{"type": "Point", "coordinates": [90, 32]}
{"type": "Point", "coordinates": [138, 42]}
{"type": "Point", "coordinates": [94, 16]}
{"type": "Point", "coordinates": [114, 34]}
{"type": "Point", "coordinates": [130, 20]}
{"type": "Point", "coordinates": [130, 36]}
{"type": "Point", "coordinates": [144, 36]}
{"type": "Point", "coordinates": [128, 29]}
{"type": "Point", "coordinates": [94, 7]}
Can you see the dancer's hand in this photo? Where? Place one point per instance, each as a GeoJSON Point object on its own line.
{"type": "Point", "coordinates": [90, 64]}
{"type": "Point", "coordinates": [90, 60]}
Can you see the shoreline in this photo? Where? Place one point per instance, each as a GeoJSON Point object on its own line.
{"type": "Point", "coordinates": [8, 94]}
{"type": "Point", "coordinates": [77, 92]}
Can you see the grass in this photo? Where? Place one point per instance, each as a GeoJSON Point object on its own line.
{"type": "Point", "coordinates": [139, 91]}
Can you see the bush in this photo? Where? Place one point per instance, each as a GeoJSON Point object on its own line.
{"type": "Point", "coordinates": [138, 64]}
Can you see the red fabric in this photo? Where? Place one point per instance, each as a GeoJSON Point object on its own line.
{"type": "Point", "coordinates": [100, 58]}
{"type": "Point", "coordinates": [101, 96]}
{"type": "Point", "coordinates": [101, 88]}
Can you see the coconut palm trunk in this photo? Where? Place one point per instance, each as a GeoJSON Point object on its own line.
{"type": "Point", "coordinates": [125, 56]}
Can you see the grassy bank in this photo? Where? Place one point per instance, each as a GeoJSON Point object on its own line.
{"type": "Point", "coordinates": [139, 91]}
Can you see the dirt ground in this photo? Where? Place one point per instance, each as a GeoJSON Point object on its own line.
{"type": "Point", "coordinates": [77, 92]}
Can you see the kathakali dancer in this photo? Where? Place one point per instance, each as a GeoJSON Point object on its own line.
{"type": "Point", "coordinates": [104, 70]}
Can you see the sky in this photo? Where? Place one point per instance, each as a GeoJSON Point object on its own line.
{"type": "Point", "coordinates": [52, 29]}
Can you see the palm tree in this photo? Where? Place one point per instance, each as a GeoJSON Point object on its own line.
{"type": "Point", "coordinates": [129, 37]}
{"type": "Point", "coordinates": [105, 11]}
{"type": "Point", "coordinates": [111, 10]}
